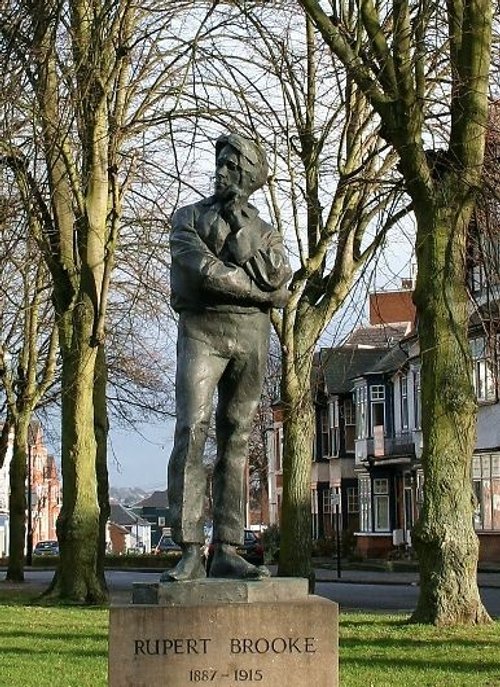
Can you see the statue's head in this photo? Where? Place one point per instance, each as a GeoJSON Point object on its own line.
{"type": "Point", "coordinates": [250, 158]}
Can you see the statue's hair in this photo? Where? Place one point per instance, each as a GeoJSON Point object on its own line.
{"type": "Point", "coordinates": [252, 157]}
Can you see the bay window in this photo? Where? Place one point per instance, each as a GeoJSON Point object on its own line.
{"type": "Point", "coordinates": [381, 504]}
{"type": "Point", "coordinates": [361, 413]}
{"type": "Point", "coordinates": [483, 371]}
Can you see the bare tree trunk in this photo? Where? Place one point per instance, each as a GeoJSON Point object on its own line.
{"type": "Point", "coordinates": [78, 578]}
{"type": "Point", "coordinates": [101, 425]}
{"type": "Point", "coordinates": [444, 537]}
{"type": "Point", "coordinates": [17, 500]}
{"type": "Point", "coordinates": [298, 436]}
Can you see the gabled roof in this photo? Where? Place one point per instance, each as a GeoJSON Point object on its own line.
{"type": "Point", "coordinates": [123, 516]}
{"type": "Point", "coordinates": [341, 365]}
{"type": "Point", "coordinates": [378, 336]}
{"type": "Point", "coordinates": [392, 361]}
{"type": "Point", "coordinates": [158, 499]}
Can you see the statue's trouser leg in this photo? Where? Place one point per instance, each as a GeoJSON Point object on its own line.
{"type": "Point", "coordinates": [199, 368]}
{"type": "Point", "coordinates": [238, 397]}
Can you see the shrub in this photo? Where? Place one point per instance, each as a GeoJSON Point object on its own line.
{"type": "Point", "coordinates": [323, 547]}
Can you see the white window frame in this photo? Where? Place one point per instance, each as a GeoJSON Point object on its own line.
{"type": "Point", "coordinates": [377, 398]}
{"type": "Point", "coordinates": [365, 503]}
{"type": "Point", "coordinates": [278, 449]}
{"type": "Point", "coordinates": [486, 483]}
{"type": "Point", "coordinates": [349, 413]}
{"type": "Point", "coordinates": [326, 447]}
{"type": "Point", "coordinates": [483, 371]}
{"type": "Point", "coordinates": [417, 400]}
{"type": "Point", "coordinates": [352, 497]}
{"type": "Point", "coordinates": [327, 502]}
{"type": "Point", "coordinates": [333, 410]}
{"type": "Point", "coordinates": [361, 395]}
{"type": "Point", "coordinates": [381, 500]}
{"type": "Point", "coordinates": [403, 391]}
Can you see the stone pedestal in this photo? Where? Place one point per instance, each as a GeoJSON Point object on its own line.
{"type": "Point", "coordinates": [226, 633]}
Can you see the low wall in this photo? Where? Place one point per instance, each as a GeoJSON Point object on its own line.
{"type": "Point", "coordinates": [489, 547]}
{"type": "Point", "coordinates": [373, 545]}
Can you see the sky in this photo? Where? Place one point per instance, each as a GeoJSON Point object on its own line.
{"type": "Point", "coordinates": [138, 458]}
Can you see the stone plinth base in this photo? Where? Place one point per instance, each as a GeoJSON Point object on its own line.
{"type": "Point", "coordinates": [271, 642]}
{"type": "Point", "coordinates": [217, 591]}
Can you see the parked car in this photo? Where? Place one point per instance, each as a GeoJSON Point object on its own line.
{"type": "Point", "coordinates": [166, 545]}
{"type": "Point", "coordinates": [49, 547]}
{"type": "Point", "coordinates": [251, 550]}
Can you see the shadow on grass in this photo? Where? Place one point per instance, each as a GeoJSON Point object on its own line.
{"type": "Point", "coordinates": [55, 636]}
{"type": "Point", "coordinates": [376, 619]}
{"type": "Point", "coordinates": [69, 651]}
{"type": "Point", "coordinates": [437, 643]}
{"type": "Point", "coordinates": [25, 597]}
{"type": "Point", "coordinates": [424, 665]}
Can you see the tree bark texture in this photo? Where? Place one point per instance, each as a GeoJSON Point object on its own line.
{"type": "Point", "coordinates": [444, 537]}
{"type": "Point", "coordinates": [77, 578]}
{"type": "Point", "coordinates": [298, 437]}
{"type": "Point", "coordinates": [17, 501]}
{"type": "Point", "coordinates": [101, 427]}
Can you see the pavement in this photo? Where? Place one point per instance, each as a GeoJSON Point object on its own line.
{"type": "Point", "coordinates": [350, 576]}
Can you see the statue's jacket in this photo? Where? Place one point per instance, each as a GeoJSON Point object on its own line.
{"type": "Point", "coordinates": [216, 269]}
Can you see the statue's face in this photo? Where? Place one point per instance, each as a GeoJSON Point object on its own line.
{"type": "Point", "coordinates": [229, 180]}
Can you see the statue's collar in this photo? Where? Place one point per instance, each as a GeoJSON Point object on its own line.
{"type": "Point", "coordinates": [247, 210]}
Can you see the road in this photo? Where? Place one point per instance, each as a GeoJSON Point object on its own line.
{"type": "Point", "coordinates": [369, 597]}
{"type": "Point", "coordinates": [389, 597]}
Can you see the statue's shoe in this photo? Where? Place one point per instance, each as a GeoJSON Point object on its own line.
{"type": "Point", "coordinates": [190, 567]}
{"type": "Point", "coordinates": [226, 563]}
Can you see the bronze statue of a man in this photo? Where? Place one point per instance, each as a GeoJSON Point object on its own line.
{"type": "Point", "coordinates": [229, 269]}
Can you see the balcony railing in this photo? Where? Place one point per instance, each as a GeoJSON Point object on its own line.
{"type": "Point", "coordinates": [386, 447]}
{"type": "Point", "coordinates": [403, 444]}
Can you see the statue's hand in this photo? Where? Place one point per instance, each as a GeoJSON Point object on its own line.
{"type": "Point", "coordinates": [232, 212]}
{"type": "Point", "coordinates": [278, 298]}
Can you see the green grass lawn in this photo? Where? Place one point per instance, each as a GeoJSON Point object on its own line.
{"type": "Point", "coordinates": [67, 647]}
{"type": "Point", "coordinates": [52, 647]}
{"type": "Point", "coordinates": [384, 651]}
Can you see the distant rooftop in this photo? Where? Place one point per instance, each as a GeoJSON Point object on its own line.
{"type": "Point", "coordinates": [340, 366]}
{"type": "Point", "coordinates": [158, 499]}
{"type": "Point", "coordinates": [123, 516]}
{"type": "Point", "coordinates": [392, 361]}
{"type": "Point", "coordinates": [392, 307]}
{"type": "Point", "coordinates": [378, 336]}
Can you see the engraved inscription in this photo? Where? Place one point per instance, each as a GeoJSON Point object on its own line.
{"type": "Point", "coordinates": [202, 675]}
{"type": "Point", "coordinates": [235, 646]}
{"type": "Point", "coordinates": [239, 675]}
{"type": "Point", "coordinates": [170, 646]}
{"type": "Point", "coordinates": [277, 645]}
